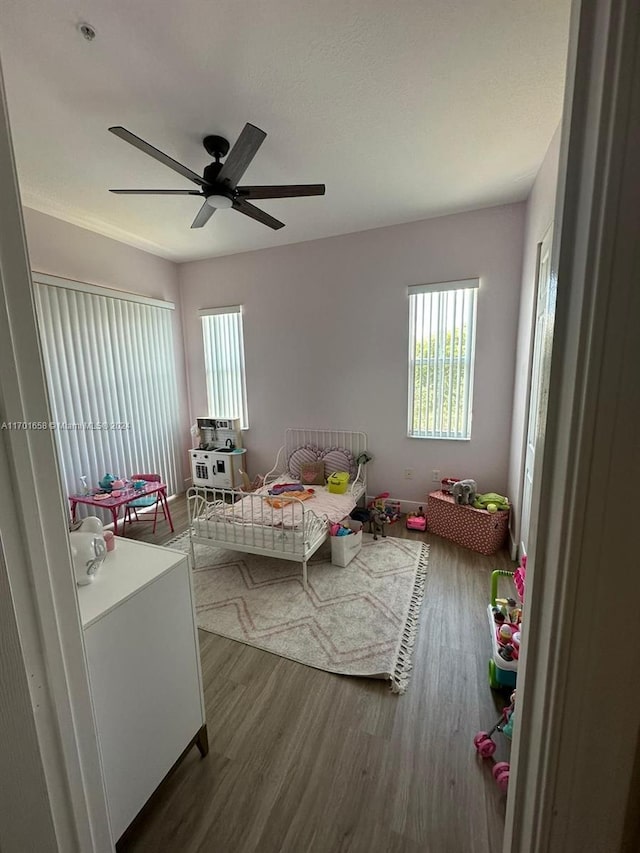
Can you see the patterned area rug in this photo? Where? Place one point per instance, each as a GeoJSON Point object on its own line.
{"type": "Point", "coordinates": [360, 620]}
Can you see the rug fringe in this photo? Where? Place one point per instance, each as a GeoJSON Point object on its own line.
{"type": "Point", "coordinates": [404, 661]}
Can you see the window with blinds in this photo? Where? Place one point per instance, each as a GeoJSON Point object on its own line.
{"type": "Point", "coordinates": [110, 368]}
{"type": "Point", "coordinates": [224, 363]}
{"type": "Point", "coordinates": [442, 332]}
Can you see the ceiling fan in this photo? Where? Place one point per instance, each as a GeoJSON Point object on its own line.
{"type": "Point", "coordinates": [219, 182]}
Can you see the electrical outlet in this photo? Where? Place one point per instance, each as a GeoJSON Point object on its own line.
{"type": "Point", "coordinates": [408, 473]}
{"type": "Point", "coordinates": [435, 476]}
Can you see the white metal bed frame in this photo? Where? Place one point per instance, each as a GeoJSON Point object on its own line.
{"type": "Point", "coordinates": [213, 521]}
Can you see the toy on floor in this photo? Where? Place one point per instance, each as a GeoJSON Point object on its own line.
{"type": "Point", "coordinates": [390, 508]}
{"type": "Point", "coordinates": [417, 520]}
{"type": "Point", "coordinates": [377, 520]}
{"type": "Point", "coordinates": [485, 746]}
{"type": "Point", "coordinates": [505, 617]}
{"type": "Point", "coordinates": [464, 492]}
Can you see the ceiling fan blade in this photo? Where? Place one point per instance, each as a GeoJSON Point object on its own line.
{"type": "Point", "coordinates": [241, 155]}
{"type": "Point", "coordinates": [143, 146]}
{"type": "Point", "coordinates": [203, 216]}
{"type": "Point", "coordinates": [255, 213]}
{"type": "Point", "coordinates": [290, 191]}
{"type": "Point", "coordinates": [157, 192]}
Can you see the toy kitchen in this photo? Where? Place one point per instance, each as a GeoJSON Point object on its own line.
{"type": "Point", "coordinates": [219, 459]}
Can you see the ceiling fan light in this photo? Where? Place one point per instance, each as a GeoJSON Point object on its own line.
{"type": "Point", "coordinates": [222, 202]}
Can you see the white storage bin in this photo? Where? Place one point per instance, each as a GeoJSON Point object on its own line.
{"type": "Point", "coordinates": [345, 548]}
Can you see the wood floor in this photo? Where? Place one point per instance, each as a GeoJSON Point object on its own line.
{"type": "Point", "coordinates": [303, 761]}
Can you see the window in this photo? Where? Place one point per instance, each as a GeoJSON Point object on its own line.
{"type": "Point", "coordinates": [224, 363]}
{"type": "Point", "coordinates": [442, 331]}
{"type": "Point", "coordinates": [111, 377]}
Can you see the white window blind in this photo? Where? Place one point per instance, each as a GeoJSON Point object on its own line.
{"type": "Point", "coordinates": [442, 331]}
{"type": "Point", "coordinates": [111, 378]}
{"type": "Point", "coordinates": [224, 363]}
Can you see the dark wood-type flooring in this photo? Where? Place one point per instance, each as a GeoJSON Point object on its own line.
{"type": "Point", "coordinates": [304, 761]}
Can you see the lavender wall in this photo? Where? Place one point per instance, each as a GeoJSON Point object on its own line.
{"type": "Point", "coordinates": [59, 248]}
{"type": "Point", "coordinates": [539, 217]}
{"type": "Point", "coordinates": [326, 326]}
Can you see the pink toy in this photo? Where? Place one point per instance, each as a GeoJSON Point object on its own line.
{"type": "Point", "coordinates": [447, 482]}
{"type": "Point", "coordinates": [519, 577]}
{"type": "Point", "coordinates": [485, 746]}
{"type": "Point", "coordinates": [417, 520]}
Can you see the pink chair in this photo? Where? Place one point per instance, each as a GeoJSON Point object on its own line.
{"type": "Point", "coordinates": [144, 502]}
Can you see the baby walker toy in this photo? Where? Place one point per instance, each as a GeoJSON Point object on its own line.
{"type": "Point", "coordinates": [505, 616]}
{"type": "Point", "coordinates": [485, 746]}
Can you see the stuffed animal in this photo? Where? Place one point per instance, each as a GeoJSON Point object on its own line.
{"type": "Point", "coordinates": [464, 491]}
{"type": "Point", "coordinates": [377, 520]}
{"type": "Point", "coordinates": [88, 549]}
{"type": "Point", "coordinates": [486, 500]}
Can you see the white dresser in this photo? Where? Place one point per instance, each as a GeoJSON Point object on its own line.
{"type": "Point", "coordinates": [144, 671]}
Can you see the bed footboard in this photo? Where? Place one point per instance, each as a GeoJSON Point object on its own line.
{"type": "Point", "coordinates": [250, 522]}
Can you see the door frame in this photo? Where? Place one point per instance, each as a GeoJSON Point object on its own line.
{"type": "Point", "coordinates": [575, 755]}
{"type": "Point", "coordinates": [37, 569]}
{"type": "Point", "coordinates": [548, 235]}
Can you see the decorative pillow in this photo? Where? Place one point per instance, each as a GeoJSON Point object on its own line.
{"type": "Point", "coordinates": [312, 473]}
{"type": "Point", "coordinates": [338, 459]}
{"type": "Point", "coordinates": [300, 456]}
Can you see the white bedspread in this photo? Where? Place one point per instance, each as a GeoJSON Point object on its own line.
{"type": "Point", "coordinates": [254, 510]}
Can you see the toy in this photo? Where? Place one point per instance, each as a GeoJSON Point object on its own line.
{"type": "Point", "coordinates": [106, 481]}
{"type": "Point", "coordinates": [417, 520]}
{"type": "Point", "coordinates": [464, 492]}
{"type": "Point", "coordinates": [88, 549]}
{"type": "Point", "coordinates": [446, 483]}
{"type": "Point", "coordinates": [504, 618]}
{"type": "Point", "coordinates": [520, 576]}
{"type": "Point", "coordinates": [379, 500]}
{"type": "Point", "coordinates": [377, 520]}
{"type": "Point", "coordinates": [491, 498]}
{"type": "Point", "coordinates": [392, 510]}
{"type": "Point", "coordinates": [338, 482]}
{"type": "Point", "coordinates": [485, 746]}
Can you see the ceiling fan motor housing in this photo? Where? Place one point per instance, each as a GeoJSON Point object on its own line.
{"type": "Point", "coordinates": [216, 146]}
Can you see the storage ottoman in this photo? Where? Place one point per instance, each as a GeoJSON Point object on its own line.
{"type": "Point", "coordinates": [472, 528]}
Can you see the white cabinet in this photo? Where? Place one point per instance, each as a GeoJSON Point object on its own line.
{"type": "Point", "coordinates": [217, 469]}
{"type": "Point", "coordinates": [144, 671]}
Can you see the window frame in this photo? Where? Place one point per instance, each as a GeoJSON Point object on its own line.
{"type": "Point", "coordinates": [239, 394]}
{"type": "Point", "coordinates": [468, 307]}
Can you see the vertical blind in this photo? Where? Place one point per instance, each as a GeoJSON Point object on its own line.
{"type": "Point", "coordinates": [111, 378]}
{"type": "Point", "coordinates": [224, 363]}
{"type": "Point", "coordinates": [442, 331]}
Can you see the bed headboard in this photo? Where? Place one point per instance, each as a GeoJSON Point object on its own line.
{"type": "Point", "coordinates": [324, 439]}
{"type": "Point", "coordinates": [354, 442]}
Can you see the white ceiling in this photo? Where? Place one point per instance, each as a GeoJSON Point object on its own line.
{"type": "Point", "coordinates": [406, 109]}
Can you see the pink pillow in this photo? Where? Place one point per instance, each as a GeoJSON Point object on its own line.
{"type": "Point", "coordinates": [312, 473]}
